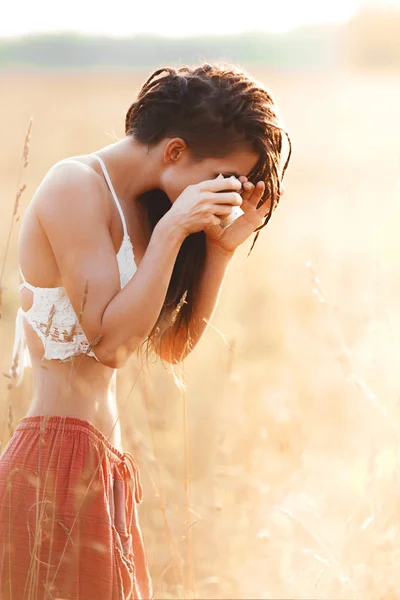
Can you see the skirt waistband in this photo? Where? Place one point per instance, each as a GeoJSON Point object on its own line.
{"type": "Point", "coordinates": [70, 423]}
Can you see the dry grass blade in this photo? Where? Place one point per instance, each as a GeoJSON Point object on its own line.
{"type": "Point", "coordinates": [14, 217]}
{"type": "Point", "coordinates": [176, 310]}
{"type": "Point", "coordinates": [331, 558]}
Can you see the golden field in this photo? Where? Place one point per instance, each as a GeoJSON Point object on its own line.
{"type": "Point", "coordinates": [276, 474]}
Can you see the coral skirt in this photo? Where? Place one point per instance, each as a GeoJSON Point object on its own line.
{"type": "Point", "coordinates": [69, 524]}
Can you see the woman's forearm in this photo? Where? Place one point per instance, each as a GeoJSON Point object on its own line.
{"type": "Point", "coordinates": [133, 312]}
{"type": "Point", "coordinates": [205, 302]}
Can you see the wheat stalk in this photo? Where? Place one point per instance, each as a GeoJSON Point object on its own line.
{"type": "Point", "coordinates": [20, 189]}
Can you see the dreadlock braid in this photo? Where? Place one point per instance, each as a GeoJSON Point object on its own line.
{"type": "Point", "coordinates": [216, 109]}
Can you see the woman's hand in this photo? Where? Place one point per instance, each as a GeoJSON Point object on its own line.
{"type": "Point", "coordinates": [204, 205]}
{"type": "Point", "coordinates": [230, 238]}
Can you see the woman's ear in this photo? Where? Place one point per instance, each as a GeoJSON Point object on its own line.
{"type": "Point", "coordinates": [174, 150]}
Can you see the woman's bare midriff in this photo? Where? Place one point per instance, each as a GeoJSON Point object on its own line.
{"type": "Point", "coordinates": [82, 388]}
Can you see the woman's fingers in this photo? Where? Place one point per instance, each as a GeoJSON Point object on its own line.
{"type": "Point", "coordinates": [220, 184]}
{"type": "Point", "coordinates": [250, 194]}
{"type": "Point", "coordinates": [248, 186]}
{"type": "Point", "coordinates": [253, 193]}
{"type": "Point", "coordinates": [225, 197]}
{"type": "Point", "coordinates": [248, 189]}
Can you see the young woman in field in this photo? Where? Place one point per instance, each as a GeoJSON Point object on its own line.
{"type": "Point", "coordinates": [120, 247]}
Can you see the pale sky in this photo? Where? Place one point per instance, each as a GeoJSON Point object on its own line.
{"type": "Point", "coordinates": [172, 17]}
{"type": "Point", "coordinates": [168, 17]}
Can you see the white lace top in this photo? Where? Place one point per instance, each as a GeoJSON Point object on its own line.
{"type": "Point", "coordinates": [52, 315]}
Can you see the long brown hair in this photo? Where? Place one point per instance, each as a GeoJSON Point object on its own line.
{"type": "Point", "coordinates": [215, 109]}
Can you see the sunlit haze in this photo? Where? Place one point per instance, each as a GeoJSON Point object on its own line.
{"type": "Point", "coordinates": [179, 18]}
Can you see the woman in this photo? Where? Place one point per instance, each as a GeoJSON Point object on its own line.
{"type": "Point", "coordinates": [119, 247]}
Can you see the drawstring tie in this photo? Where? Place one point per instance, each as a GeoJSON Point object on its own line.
{"type": "Point", "coordinates": [132, 471]}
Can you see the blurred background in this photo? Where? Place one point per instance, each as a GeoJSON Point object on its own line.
{"type": "Point", "coordinates": [275, 472]}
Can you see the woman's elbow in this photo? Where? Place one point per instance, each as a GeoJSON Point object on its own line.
{"type": "Point", "coordinates": [112, 358]}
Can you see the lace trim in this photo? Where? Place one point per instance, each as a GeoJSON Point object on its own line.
{"type": "Point", "coordinates": [53, 318]}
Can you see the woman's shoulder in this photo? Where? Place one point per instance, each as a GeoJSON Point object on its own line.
{"type": "Point", "coordinates": [71, 189]}
{"type": "Point", "coordinates": [71, 171]}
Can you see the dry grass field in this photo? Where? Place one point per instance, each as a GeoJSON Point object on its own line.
{"type": "Point", "coordinates": [276, 473]}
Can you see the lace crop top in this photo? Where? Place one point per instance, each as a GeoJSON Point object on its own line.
{"type": "Point", "coordinates": [52, 315]}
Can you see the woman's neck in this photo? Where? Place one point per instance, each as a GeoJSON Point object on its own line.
{"type": "Point", "coordinates": [132, 168]}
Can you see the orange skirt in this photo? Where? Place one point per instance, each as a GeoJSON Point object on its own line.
{"type": "Point", "coordinates": [69, 524]}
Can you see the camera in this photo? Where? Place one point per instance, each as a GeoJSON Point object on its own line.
{"type": "Point", "coordinates": [236, 211]}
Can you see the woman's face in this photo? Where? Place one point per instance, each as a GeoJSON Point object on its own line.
{"type": "Point", "coordinates": [180, 170]}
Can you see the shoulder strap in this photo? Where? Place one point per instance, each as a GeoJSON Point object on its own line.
{"type": "Point", "coordinates": [110, 185]}
{"type": "Point", "coordinates": [25, 283]}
